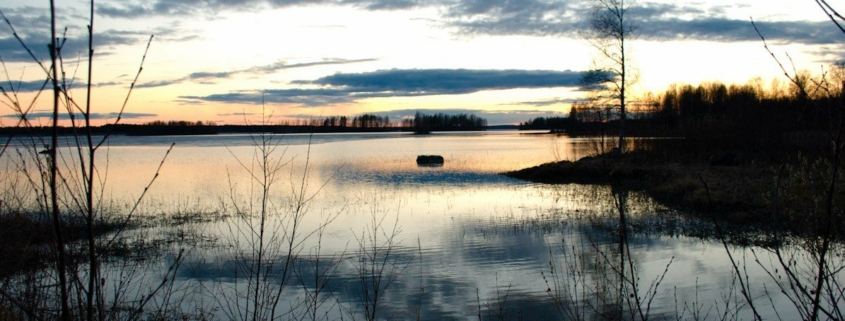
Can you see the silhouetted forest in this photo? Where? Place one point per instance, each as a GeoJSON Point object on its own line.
{"type": "Point", "coordinates": [365, 121]}
{"type": "Point", "coordinates": [715, 116]}
{"type": "Point", "coordinates": [180, 127]}
{"type": "Point", "coordinates": [332, 124]}
{"type": "Point", "coordinates": [556, 124]}
{"type": "Point", "coordinates": [424, 123]}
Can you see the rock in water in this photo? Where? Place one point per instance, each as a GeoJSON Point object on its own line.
{"type": "Point", "coordinates": [430, 160]}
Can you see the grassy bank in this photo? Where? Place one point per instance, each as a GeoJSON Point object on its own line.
{"type": "Point", "coordinates": [26, 239]}
{"type": "Point", "coordinates": [736, 194]}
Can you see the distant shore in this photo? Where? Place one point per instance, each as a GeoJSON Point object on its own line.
{"type": "Point", "coordinates": [147, 130]}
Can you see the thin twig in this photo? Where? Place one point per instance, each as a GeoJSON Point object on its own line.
{"type": "Point", "coordinates": [126, 221]}
{"type": "Point", "coordinates": [128, 93]}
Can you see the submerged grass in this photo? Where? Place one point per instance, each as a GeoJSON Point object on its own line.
{"type": "Point", "coordinates": [26, 239]}
{"type": "Point", "coordinates": [22, 242]}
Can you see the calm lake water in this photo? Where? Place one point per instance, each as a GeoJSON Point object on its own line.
{"type": "Point", "coordinates": [457, 242]}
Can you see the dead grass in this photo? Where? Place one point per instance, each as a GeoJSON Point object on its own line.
{"type": "Point", "coordinates": [734, 193]}
{"type": "Point", "coordinates": [22, 241]}
{"type": "Point", "coordinates": [25, 240]}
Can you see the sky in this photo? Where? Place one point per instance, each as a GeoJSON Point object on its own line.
{"type": "Point", "coordinates": [232, 61]}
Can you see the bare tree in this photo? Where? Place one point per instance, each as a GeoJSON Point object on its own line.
{"type": "Point", "coordinates": [610, 27]}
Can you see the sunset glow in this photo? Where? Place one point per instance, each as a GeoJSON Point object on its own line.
{"type": "Point", "coordinates": [213, 61]}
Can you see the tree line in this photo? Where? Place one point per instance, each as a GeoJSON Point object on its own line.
{"type": "Point", "coordinates": [424, 123]}
{"type": "Point", "coordinates": [708, 107]}
{"type": "Point", "coordinates": [421, 123]}
{"type": "Point", "coordinates": [554, 123]}
{"type": "Point", "coordinates": [340, 122]}
{"type": "Point", "coordinates": [752, 115]}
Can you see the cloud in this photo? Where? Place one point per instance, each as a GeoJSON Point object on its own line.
{"type": "Point", "coordinates": [159, 83]}
{"type": "Point", "coordinates": [29, 23]}
{"type": "Point", "coordinates": [11, 49]}
{"type": "Point", "coordinates": [829, 54]}
{"type": "Point", "coordinates": [39, 85]}
{"type": "Point", "coordinates": [347, 88]}
{"type": "Point", "coordinates": [566, 18]}
{"type": "Point", "coordinates": [36, 85]}
{"type": "Point", "coordinates": [187, 102]}
{"type": "Point", "coordinates": [211, 7]}
{"type": "Point", "coordinates": [509, 17]}
{"type": "Point", "coordinates": [387, 4]}
{"type": "Point", "coordinates": [236, 114]}
{"type": "Point", "coordinates": [730, 30]}
{"type": "Point", "coordinates": [559, 18]}
{"type": "Point", "coordinates": [109, 83]}
{"type": "Point", "coordinates": [417, 82]}
{"type": "Point", "coordinates": [125, 11]}
{"type": "Point", "coordinates": [26, 86]}
{"type": "Point", "coordinates": [325, 61]}
{"type": "Point", "coordinates": [545, 102]}
{"type": "Point", "coordinates": [302, 97]}
{"type": "Point", "coordinates": [29, 19]}
{"type": "Point", "coordinates": [47, 114]}
{"type": "Point", "coordinates": [656, 21]}
{"type": "Point", "coordinates": [660, 22]}
{"type": "Point", "coordinates": [184, 38]}
{"type": "Point", "coordinates": [131, 10]}
{"type": "Point", "coordinates": [206, 77]}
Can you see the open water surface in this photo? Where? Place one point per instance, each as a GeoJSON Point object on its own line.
{"type": "Point", "coordinates": [464, 242]}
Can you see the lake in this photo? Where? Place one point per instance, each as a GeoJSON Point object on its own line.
{"type": "Point", "coordinates": [357, 229]}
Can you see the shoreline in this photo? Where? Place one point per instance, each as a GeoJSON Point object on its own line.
{"type": "Point", "coordinates": [734, 194]}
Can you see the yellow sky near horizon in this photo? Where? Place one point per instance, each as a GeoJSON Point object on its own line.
{"type": "Point", "coordinates": [205, 66]}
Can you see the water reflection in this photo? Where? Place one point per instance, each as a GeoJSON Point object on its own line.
{"type": "Point", "coordinates": [469, 242]}
{"type": "Point", "coordinates": [505, 262]}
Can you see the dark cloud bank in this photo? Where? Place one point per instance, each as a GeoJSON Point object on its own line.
{"type": "Point", "coordinates": [658, 21]}
{"type": "Point", "coordinates": [66, 116]}
{"type": "Point", "coordinates": [344, 88]}
{"type": "Point", "coordinates": [565, 18]}
{"type": "Point", "coordinates": [212, 77]}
